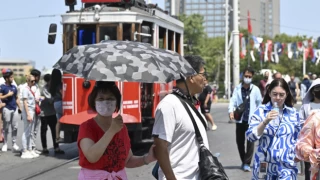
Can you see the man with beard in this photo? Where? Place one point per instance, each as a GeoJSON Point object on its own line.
{"type": "Point", "coordinates": [9, 96]}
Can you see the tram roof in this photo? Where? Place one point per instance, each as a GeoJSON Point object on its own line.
{"type": "Point", "coordinates": [121, 15]}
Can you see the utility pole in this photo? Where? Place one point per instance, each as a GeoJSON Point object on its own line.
{"type": "Point", "coordinates": [236, 49]}
{"type": "Point", "coordinates": [173, 8]}
{"type": "Point", "coordinates": [226, 58]}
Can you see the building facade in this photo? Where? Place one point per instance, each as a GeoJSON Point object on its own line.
{"type": "Point", "coordinates": [264, 14]}
{"type": "Point", "coordinates": [20, 67]}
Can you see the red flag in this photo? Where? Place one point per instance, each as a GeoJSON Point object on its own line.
{"type": "Point", "coordinates": [310, 47]}
{"type": "Point", "coordinates": [249, 24]}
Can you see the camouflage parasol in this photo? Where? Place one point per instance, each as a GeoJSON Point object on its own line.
{"type": "Point", "coordinates": [124, 61]}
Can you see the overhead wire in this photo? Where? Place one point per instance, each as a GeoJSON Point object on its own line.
{"type": "Point", "coordinates": [31, 17]}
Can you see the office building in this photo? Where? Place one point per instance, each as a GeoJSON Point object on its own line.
{"type": "Point", "coordinates": [20, 67]}
{"type": "Point", "coordinates": [265, 15]}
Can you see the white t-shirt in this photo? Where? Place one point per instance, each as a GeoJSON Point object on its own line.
{"type": "Point", "coordinates": [35, 89]}
{"type": "Point", "coordinates": [173, 124]}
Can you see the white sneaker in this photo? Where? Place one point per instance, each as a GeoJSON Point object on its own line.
{"type": "Point", "coordinates": [37, 151]}
{"type": "Point", "coordinates": [34, 154]}
{"type": "Point", "coordinates": [15, 147]}
{"type": "Point", "coordinates": [26, 155]}
{"type": "Point", "coordinates": [214, 127]}
{"type": "Point", "coordinates": [4, 148]}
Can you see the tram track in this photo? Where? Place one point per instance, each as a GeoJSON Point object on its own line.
{"type": "Point", "coordinates": [136, 151]}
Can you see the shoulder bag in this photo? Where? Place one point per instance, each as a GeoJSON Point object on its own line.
{"type": "Point", "coordinates": [209, 165]}
{"type": "Point", "coordinates": [37, 109]}
{"type": "Point", "coordinates": [237, 113]}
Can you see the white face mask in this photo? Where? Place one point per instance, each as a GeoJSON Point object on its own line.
{"type": "Point", "coordinates": [247, 80]}
{"type": "Point", "coordinates": [106, 108]}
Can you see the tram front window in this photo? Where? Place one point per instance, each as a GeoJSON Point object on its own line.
{"type": "Point", "coordinates": [108, 33]}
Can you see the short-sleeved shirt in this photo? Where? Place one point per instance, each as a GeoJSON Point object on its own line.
{"type": "Point", "coordinates": [174, 125]}
{"type": "Point", "coordinates": [207, 90]}
{"type": "Point", "coordinates": [115, 155]}
{"type": "Point", "coordinates": [27, 94]}
{"type": "Point", "coordinates": [11, 103]}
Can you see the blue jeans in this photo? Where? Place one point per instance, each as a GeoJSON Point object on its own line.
{"type": "Point", "coordinates": [58, 109]}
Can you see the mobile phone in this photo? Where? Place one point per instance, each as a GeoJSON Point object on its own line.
{"type": "Point", "coordinates": [263, 170]}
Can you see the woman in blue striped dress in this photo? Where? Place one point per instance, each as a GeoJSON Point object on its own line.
{"type": "Point", "coordinates": [276, 129]}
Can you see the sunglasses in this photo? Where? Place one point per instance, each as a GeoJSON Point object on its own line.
{"type": "Point", "coordinates": [33, 81]}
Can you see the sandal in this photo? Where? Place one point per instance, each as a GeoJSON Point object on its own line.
{"type": "Point", "coordinates": [58, 151]}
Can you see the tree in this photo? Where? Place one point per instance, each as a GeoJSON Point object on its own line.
{"type": "Point", "coordinates": [20, 80]}
{"type": "Point", "coordinates": [193, 33]}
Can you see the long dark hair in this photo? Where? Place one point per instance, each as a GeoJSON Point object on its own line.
{"type": "Point", "coordinates": [282, 83]}
{"type": "Point", "coordinates": [55, 82]}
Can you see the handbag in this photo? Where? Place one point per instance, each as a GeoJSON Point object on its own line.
{"type": "Point", "coordinates": [209, 165]}
{"type": "Point", "coordinates": [37, 109]}
{"type": "Point", "coordinates": [237, 113]}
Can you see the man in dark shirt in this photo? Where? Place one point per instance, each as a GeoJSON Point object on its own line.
{"type": "Point", "coordinates": [9, 96]}
{"type": "Point", "coordinates": [205, 100]}
{"type": "Point", "coordinates": [263, 83]}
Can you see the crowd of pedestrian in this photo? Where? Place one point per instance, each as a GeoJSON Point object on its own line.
{"type": "Point", "coordinates": [32, 105]}
{"type": "Point", "coordinates": [284, 135]}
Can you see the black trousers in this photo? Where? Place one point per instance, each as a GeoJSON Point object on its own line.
{"type": "Point", "coordinates": [51, 121]}
{"type": "Point", "coordinates": [307, 172]}
{"type": "Point", "coordinates": [246, 154]}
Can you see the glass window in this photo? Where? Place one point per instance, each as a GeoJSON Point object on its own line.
{"type": "Point", "coordinates": [218, 23]}
{"type": "Point", "coordinates": [188, 11]}
{"type": "Point", "coordinates": [210, 23]}
{"type": "Point", "coordinates": [195, 6]}
{"type": "Point", "coordinates": [188, 1]}
{"type": "Point", "coordinates": [210, 5]}
{"type": "Point", "coordinates": [210, 11]}
{"type": "Point", "coordinates": [218, 6]}
{"type": "Point", "coordinates": [217, 29]}
{"type": "Point", "coordinates": [218, 17]}
{"type": "Point", "coordinates": [203, 12]}
{"type": "Point", "coordinates": [195, 11]}
{"type": "Point", "coordinates": [202, 6]}
{"type": "Point", "coordinates": [218, 11]}
{"type": "Point", "coordinates": [270, 16]}
{"type": "Point", "coordinates": [195, 1]}
{"type": "Point", "coordinates": [210, 34]}
{"type": "Point", "coordinates": [209, 29]}
{"type": "Point", "coordinates": [209, 17]}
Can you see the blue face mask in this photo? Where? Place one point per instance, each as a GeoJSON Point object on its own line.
{"type": "Point", "coordinates": [247, 80]}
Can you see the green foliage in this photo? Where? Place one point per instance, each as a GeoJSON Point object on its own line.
{"type": "Point", "coordinates": [20, 80]}
{"type": "Point", "coordinates": [193, 33]}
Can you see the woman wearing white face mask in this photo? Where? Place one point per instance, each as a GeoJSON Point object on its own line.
{"type": "Point", "coordinates": [103, 141]}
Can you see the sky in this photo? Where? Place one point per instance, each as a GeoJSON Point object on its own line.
{"type": "Point", "coordinates": [27, 38]}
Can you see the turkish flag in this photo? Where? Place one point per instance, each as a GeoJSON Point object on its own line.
{"type": "Point", "coordinates": [249, 24]}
